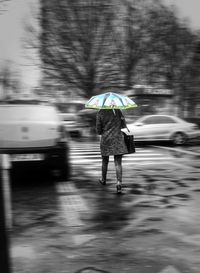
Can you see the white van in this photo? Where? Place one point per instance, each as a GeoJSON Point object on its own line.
{"type": "Point", "coordinates": [33, 131]}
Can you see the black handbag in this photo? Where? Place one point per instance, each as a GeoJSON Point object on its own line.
{"type": "Point", "coordinates": [130, 144]}
{"type": "Point", "coordinates": [128, 139]}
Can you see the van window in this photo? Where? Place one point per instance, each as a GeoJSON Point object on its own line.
{"type": "Point", "coordinates": [27, 112]}
{"type": "Point", "coordinates": [72, 107]}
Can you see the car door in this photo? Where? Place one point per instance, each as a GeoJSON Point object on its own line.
{"type": "Point", "coordinates": [149, 129]}
{"type": "Point", "coordinates": [167, 125]}
{"type": "Point", "coordinates": [158, 127]}
{"type": "Point", "coordinates": [144, 128]}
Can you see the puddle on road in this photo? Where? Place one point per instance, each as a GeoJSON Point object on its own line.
{"type": "Point", "coordinates": [113, 217]}
{"type": "Point", "coordinates": [187, 160]}
{"type": "Point", "coordinates": [26, 252]}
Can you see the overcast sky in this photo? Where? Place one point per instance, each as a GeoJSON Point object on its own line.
{"type": "Point", "coordinates": [188, 9]}
{"type": "Point", "coordinates": [12, 31]}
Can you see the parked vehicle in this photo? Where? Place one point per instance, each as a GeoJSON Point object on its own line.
{"type": "Point", "coordinates": [33, 131]}
{"type": "Point", "coordinates": [69, 113]}
{"type": "Point", "coordinates": [163, 128]}
{"type": "Point", "coordinates": [71, 124]}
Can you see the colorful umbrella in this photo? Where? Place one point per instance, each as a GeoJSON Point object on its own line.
{"type": "Point", "coordinates": [110, 101]}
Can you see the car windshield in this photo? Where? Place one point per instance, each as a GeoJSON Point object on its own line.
{"type": "Point", "coordinates": [27, 112]}
{"type": "Point", "coordinates": [158, 120]}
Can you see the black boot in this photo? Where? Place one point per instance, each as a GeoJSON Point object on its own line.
{"type": "Point", "coordinates": [119, 188]}
{"type": "Point", "coordinates": [103, 182]}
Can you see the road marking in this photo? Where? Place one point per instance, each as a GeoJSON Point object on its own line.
{"type": "Point", "coordinates": [71, 205]}
{"type": "Point", "coordinates": [64, 187]}
{"type": "Point", "coordinates": [132, 159]}
{"type": "Point", "coordinates": [74, 203]}
{"type": "Point", "coordinates": [177, 150]}
{"type": "Point", "coordinates": [84, 155]}
{"type": "Point", "coordinates": [97, 148]}
{"type": "Point", "coordinates": [152, 163]}
{"type": "Point", "coordinates": [99, 154]}
{"type": "Point", "coordinates": [182, 166]}
{"type": "Point", "coordinates": [94, 147]}
{"type": "Point", "coordinates": [77, 151]}
{"type": "Point", "coordinates": [144, 157]}
{"type": "Point", "coordinates": [125, 156]}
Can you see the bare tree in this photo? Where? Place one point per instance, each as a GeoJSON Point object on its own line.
{"type": "Point", "coordinates": [77, 44]}
{"type": "Point", "coordinates": [132, 39]}
{"type": "Point", "coordinates": [192, 79]}
{"type": "Point", "coordinates": [170, 53]}
{"type": "Point", "coordinates": [9, 81]}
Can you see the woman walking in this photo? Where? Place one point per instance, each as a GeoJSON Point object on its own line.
{"type": "Point", "coordinates": [109, 124]}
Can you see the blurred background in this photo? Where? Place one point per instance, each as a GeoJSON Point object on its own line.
{"type": "Point", "coordinates": [148, 50]}
{"type": "Point", "coordinates": [64, 52]}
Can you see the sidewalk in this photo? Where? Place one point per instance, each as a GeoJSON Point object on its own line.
{"type": "Point", "coordinates": [152, 228]}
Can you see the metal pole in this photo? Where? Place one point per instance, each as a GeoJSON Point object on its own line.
{"type": "Point", "coordinates": [6, 165]}
{"type": "Point", "coordinates": [4, 224]}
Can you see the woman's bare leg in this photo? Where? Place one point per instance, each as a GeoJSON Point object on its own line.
{"type": "Point", "coordinates": [118, 167]}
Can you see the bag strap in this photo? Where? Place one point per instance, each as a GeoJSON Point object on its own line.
{"type": "Point", "coordinates": [127, 129]}
{"type": "Point", "coordinates": [124, 122]}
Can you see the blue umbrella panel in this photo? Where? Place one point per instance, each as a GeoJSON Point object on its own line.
{"type": "Point", "coordinates": [110, 101]}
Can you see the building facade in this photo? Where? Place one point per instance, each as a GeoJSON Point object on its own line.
{"type": "Point", "coordinates": [152, 100]}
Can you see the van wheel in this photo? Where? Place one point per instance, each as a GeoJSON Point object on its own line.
{"type": "Point", "coordinates": [179, 138]}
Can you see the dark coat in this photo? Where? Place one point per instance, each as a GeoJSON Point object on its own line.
{"type": "Point", "coordinates": [109, 125]}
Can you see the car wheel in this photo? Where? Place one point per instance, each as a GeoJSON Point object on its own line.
{"type": "Point", "coordinates": [58, 164]}
{"type": "Point", "coordinates": [63, 166]}
{"type": "Point", "coordinates": [179, 138]}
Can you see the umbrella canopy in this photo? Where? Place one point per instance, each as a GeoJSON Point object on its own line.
{"type": "Point", "coordinates": [110, 101]}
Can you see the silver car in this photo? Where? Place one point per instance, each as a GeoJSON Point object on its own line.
{"type": "Point", "coordinates": [163, 128]}
{"type": "Point", "coordinates": [33, 131]}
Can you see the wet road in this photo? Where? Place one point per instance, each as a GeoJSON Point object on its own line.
{"type": "Point", "coordinates": [82, 226]}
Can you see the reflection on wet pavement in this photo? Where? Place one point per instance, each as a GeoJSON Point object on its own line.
{"type": "Point", "coordinates": [81, 226]}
